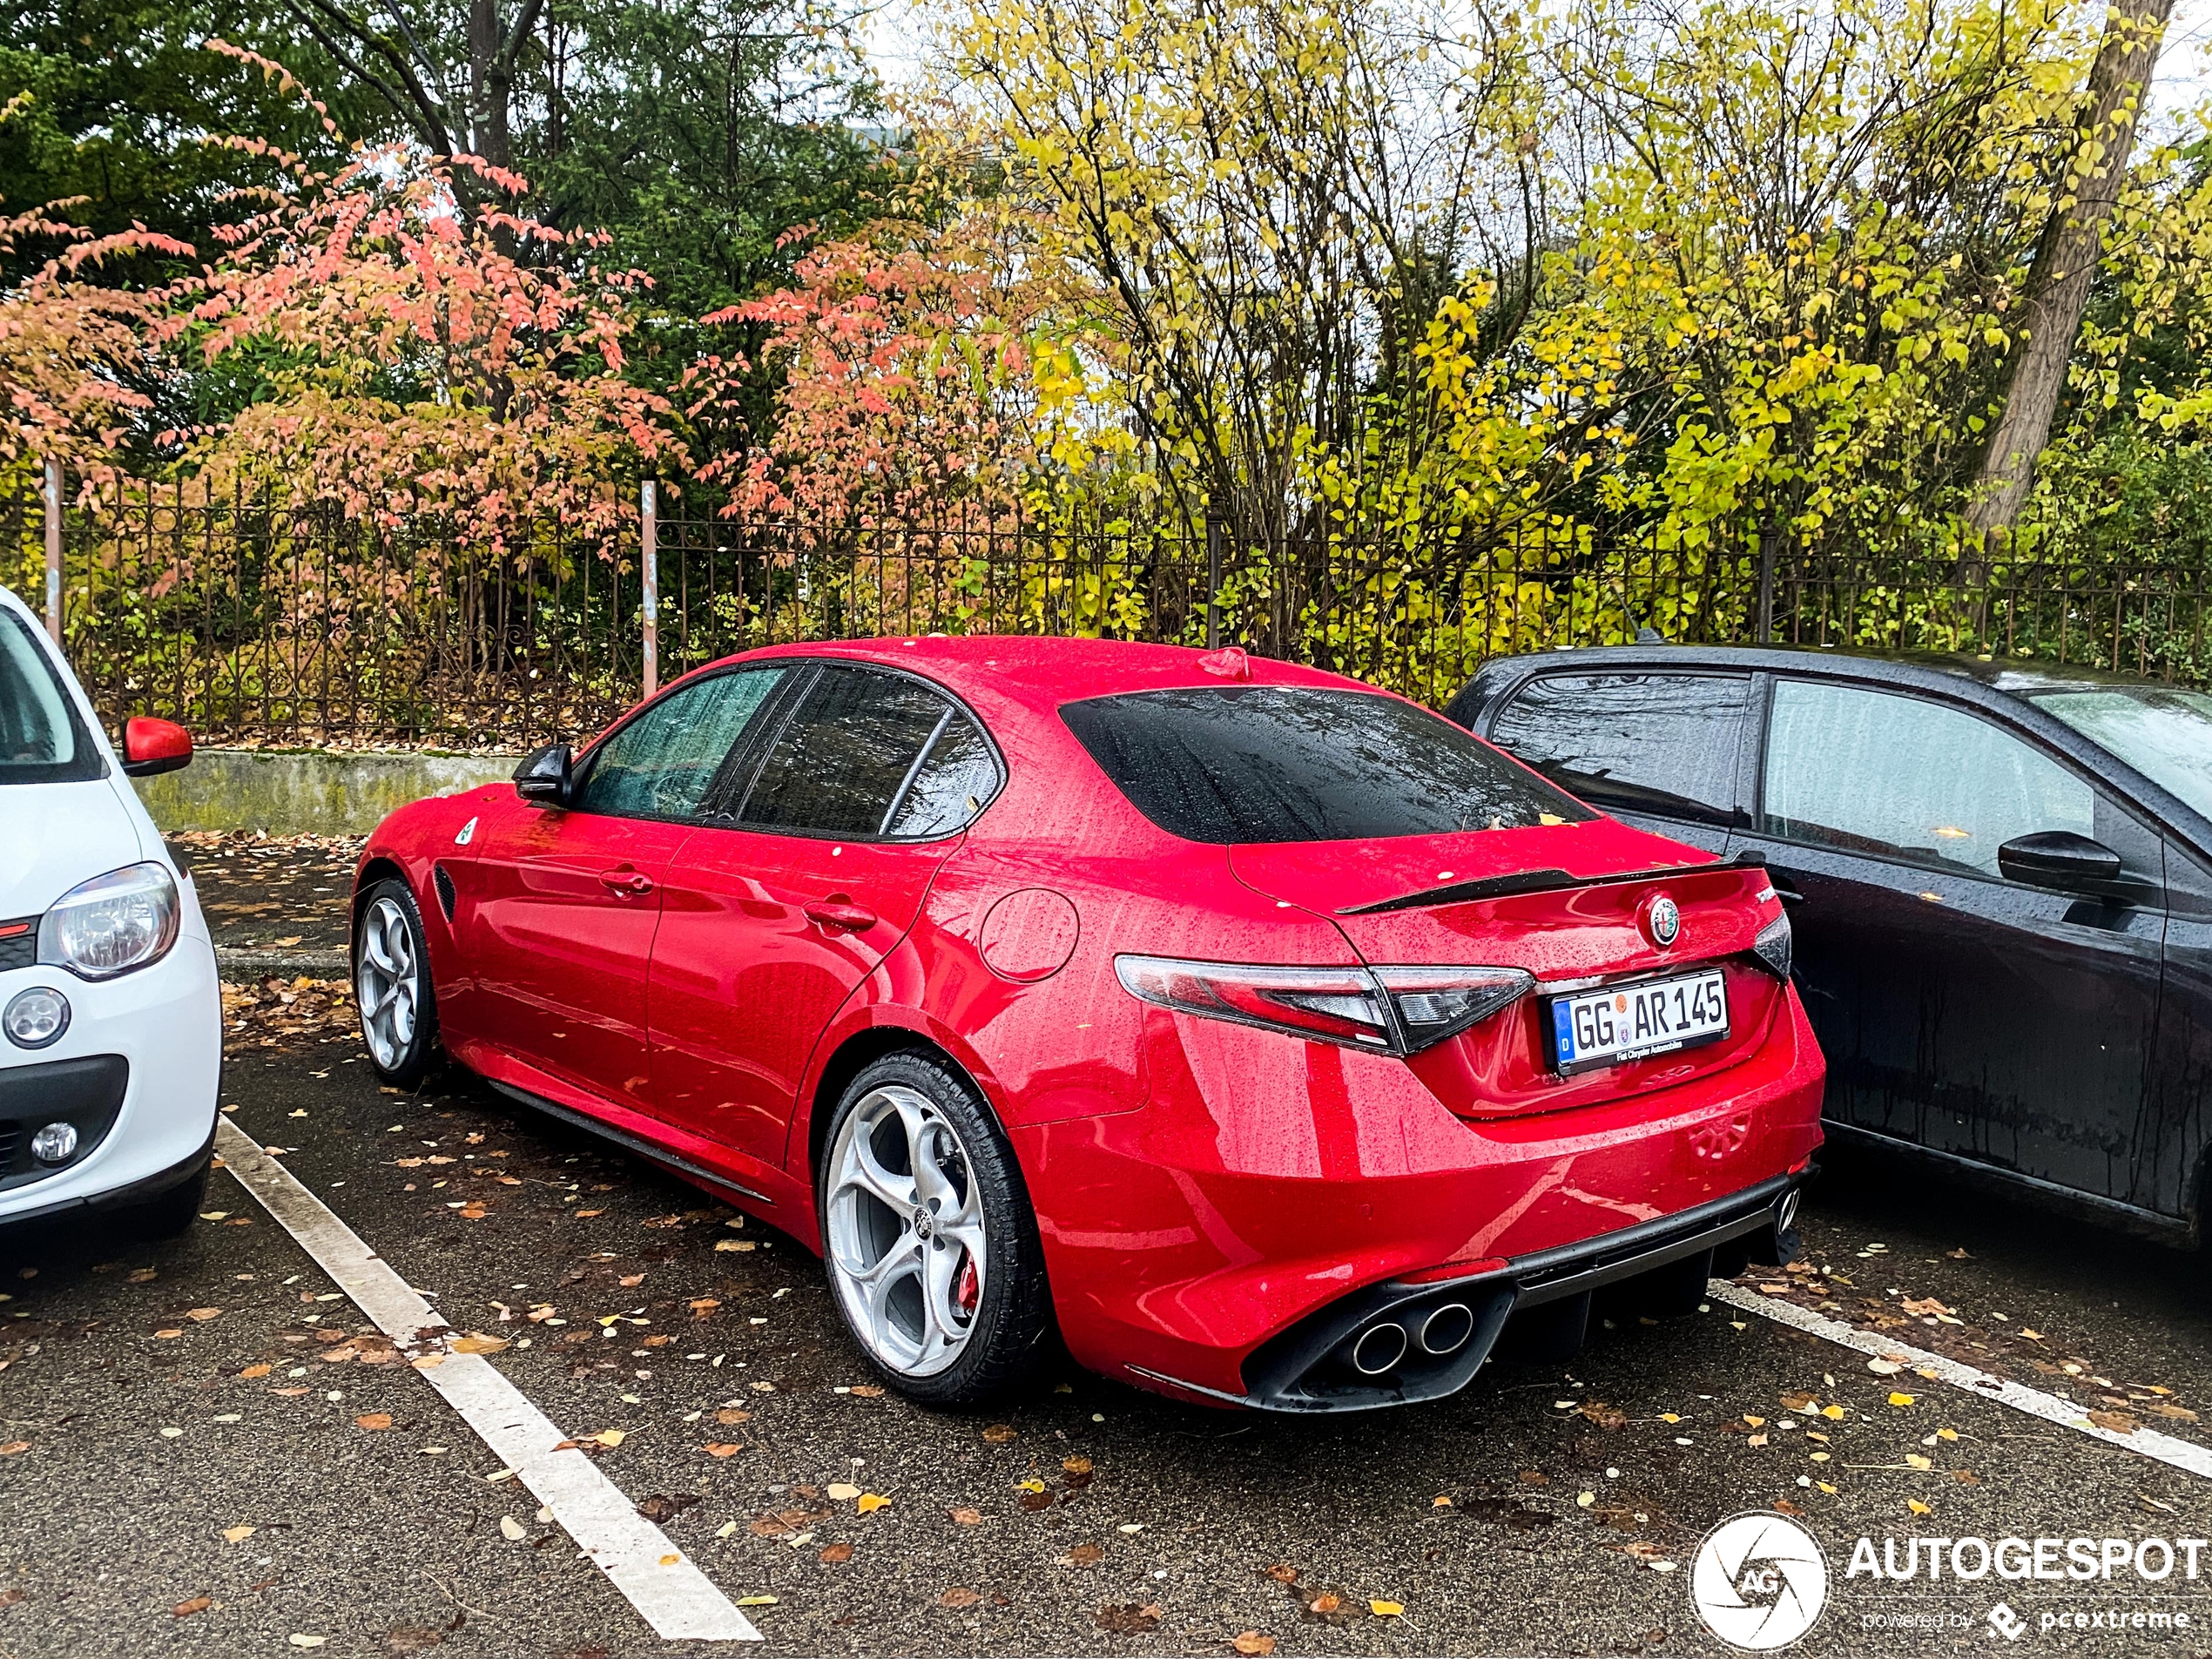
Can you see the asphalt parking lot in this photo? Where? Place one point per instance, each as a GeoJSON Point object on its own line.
{"type": "Point", "coordinates": [206, 1448]}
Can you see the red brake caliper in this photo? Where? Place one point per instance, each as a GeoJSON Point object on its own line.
{"type": "Point", "coordinates": [969, 1290]}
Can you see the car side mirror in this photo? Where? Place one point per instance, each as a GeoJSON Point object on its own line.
{"type": "Point", "coordinates": [544, 777]}
{"type": "Point", "coordinates": [151, 747]}
{"type": "Point", "coordinates": [2058, 859]}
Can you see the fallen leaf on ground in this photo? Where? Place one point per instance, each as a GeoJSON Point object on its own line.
{"type": "Point", "coordinates": [868, 1391]}
{"type": "Point", "coordinates": [252, 1371]}
{"type": "Point", "coordinates": [476, 1342]}
{"type": "Point", "coordinates": [843, 1491]}
{"type": "Point", "coordinates": [202, 1315]}
{"type": "Point", "coordinates": [1900, 1400]}
{"type": "Point", "coordinates": [1281, 1573]}
{"type": "Point", "coordinates": [722, 1448]}
{"type": "Point", "coordinates": [1000, 1433]}
{"type": "Point", "coordinates": [512, 1529]}
{"type": "Point", "coordinates": [731, 1414]}
{"type": "Point", "coordinates": [1918, 1508]}
{"type": "Point", "coordinates": [967, 1517]}
{"type": "Point", "coordinates": [198, 1604]}
{"type": "Point", "coordinates": [169, 1332]}
{"type": "Point", "coordinates": [2163, 1408]}
{"type": "Point", "coordinates": [2118, 1422]}
{"type": "Point", "coordinates": [13, 1446]}
{"type": "Point", "coordinates": [959, 1596]}
{"type": "Point", "coordinates": [1253, 1645]}
{"type": "Point", "coordinates": [298, 1640]}
{"type": "Point", "coordinates": [1086, 1555]}
{"type": "Point", "coordinates": [374, 1420]}
{"type": "Point", "coordinates": [1386, 1609]}
{"type": "Point", "coordinates": [237, 1535]}
{"type": "Point", "coordinates": [1128, 1619]}
{"type": "Point", "coordinates": [663, 1506]}
{"type": "Point", "coordinates": [755, 1601]}
{"type": "Point", "coordinates": [835, 1554]}
{"type": "Point", "coordinates": [871, 1501]}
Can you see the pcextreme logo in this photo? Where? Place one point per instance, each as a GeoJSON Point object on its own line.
{"type": "Point", "coordinates": [1759, 1581]}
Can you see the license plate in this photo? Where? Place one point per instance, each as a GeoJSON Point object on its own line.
{"type": "Point", "coordinates": [1632, 1021]}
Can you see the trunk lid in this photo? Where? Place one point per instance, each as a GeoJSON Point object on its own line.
{"type": "Point", "coordinates": [1564, 903]}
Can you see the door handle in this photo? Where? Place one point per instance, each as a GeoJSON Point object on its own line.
{"type": "Point", "coordinates": [625, 879]}
{"type": "Point", "coordinates": [839, 913]}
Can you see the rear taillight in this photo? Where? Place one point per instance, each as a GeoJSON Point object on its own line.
{"type": "Point", "coordinates": [1774, 948]}
{"type": "Point", "coordinates": [1391, 1010]}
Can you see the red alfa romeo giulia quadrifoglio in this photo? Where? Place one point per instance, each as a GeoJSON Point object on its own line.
{"type": "Point", "coordinates": [1266, 1038]}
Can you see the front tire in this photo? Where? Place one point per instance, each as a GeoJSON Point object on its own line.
{"type": "Point", "coordinates": [928, 1237]}
{"type": "Point", "coordinates": [399, 1013]}
{"type": "Point", "coordinates": [167, 1214]}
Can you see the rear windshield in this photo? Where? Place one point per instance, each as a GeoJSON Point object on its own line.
{"type": "Point", "coordinates": [40, 739]}
{"type": "Point", "coordinates": [1284, 763]}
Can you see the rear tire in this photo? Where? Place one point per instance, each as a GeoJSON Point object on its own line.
{"type": "Point", "coordinates": [928, 1237]}
{"type": "Point", "coordinates": [399, 1011]}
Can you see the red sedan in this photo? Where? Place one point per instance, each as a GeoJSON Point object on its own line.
{"type": "Point", "coordinates": [1265, 1038]}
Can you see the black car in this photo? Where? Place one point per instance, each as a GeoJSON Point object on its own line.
{"type": "Point", "coordinates": [2000, 876]}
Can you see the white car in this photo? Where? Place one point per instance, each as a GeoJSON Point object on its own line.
{"type": "Point", "coordinates": [111, 1010]}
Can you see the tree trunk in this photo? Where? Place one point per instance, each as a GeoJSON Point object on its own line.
{"type": "Point", "coordinates": [2058, 284]}
{"type": "Point", "coordinates": [491, 83]}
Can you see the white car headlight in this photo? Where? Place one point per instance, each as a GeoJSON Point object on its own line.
{"type": "Point", "coordinates": [113, 923]}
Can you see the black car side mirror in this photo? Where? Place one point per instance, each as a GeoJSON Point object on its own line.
{"type": "Point", "coordinates": [543, 778]}
{"type": "Point", "coordinates": [2060, 859]}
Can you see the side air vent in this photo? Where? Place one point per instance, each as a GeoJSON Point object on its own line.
{"type": "Point", "coordinates": [443, 883]}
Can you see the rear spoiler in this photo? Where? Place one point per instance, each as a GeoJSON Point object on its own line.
{"type": "Point", "coordinates": [1519, 882]}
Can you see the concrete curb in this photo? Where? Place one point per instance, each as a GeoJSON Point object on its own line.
{"type": "Point", "coordinates": [242, 965]}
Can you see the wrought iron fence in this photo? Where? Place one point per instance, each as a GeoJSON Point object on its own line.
{"type": "Point", "coordinates": [253, 619]}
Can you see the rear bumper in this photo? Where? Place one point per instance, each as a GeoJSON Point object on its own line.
{"type": "Point", "coordinates": [1293, 1371]}
{"type": "Point", "coordinates": [1292, 1189]}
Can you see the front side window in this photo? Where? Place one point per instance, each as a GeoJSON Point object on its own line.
{"type": "Point", "coordinates": [1289, 763]}
{"type": "Point", "coordinates": [40, 739]}
{"type": "Point", "coordinates": [850, 759]}
{"type": "Point", "coordinates": [663, 762]}
{"type": "Point", "coordinates": [1653, 742]}
{"type": "Point", "coordinates": [2164, 734]}
{"type": "Point", "coordinates": [1872, 771]}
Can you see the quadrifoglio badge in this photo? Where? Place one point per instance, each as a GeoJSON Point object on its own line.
{"type": "Point", "coordinates": [1760, 1581]}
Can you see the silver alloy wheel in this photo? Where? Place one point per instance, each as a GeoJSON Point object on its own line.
{"type": "Point", "coordinates": [907, 1243]}
{"type": "Point", "coordinates": [388, 982]}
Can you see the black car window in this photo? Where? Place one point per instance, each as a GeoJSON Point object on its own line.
{"type": "Point", "coordinates": [1658, 743]}
{"type": "Point", "coordinates": [844, 758]}
{"type": "Point", "coordinates": [42, 741]}
{"type": "Point", "coordinates": [954, 781]}
{"type": "Point", "coordinates": [1873, 771]}
{"type": "Point", "coordinates": [1281, 763]}
{"type": "Point", "coordinates": [660, 763]}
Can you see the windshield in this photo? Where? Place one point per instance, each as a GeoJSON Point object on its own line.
{"type": "Point", "coordinates": [2166, 735]}
{"type": "Point", "coordinates": [1280, 763]}
{"type": "Point", "coordinates": [41, 740]}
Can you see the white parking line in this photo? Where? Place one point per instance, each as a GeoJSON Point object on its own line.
{"type": "Point", "coordinates": [2145, 1443]}
{"type": "Point", "coordinates": [661, 1581]}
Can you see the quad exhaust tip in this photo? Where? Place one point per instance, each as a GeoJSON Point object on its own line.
{"type": "Point", "coordinates": [1447, 1329]}
{"type": "Point", "coordinates": [1380, 1348]}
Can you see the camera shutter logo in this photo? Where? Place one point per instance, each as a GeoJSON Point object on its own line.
{"type": "Point", "coordinates": [1759, 1582]}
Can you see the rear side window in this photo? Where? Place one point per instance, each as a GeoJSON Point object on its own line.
{"type": "Point", "coordinates": [42, 741]}
{"type": "Point", "coordinates": [1284, 763]}
{"type": "Point", "coordinates": [954, 782]}
{"type": "Point", "coordinates": [865, 753]}
{"type": "Point", "coordinates": [662, 761]}
{"type": "Point", "coordinates": [1653, 742]}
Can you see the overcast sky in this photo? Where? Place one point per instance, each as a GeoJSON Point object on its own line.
{"type": "Point", "coordinates": [895, 44]}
